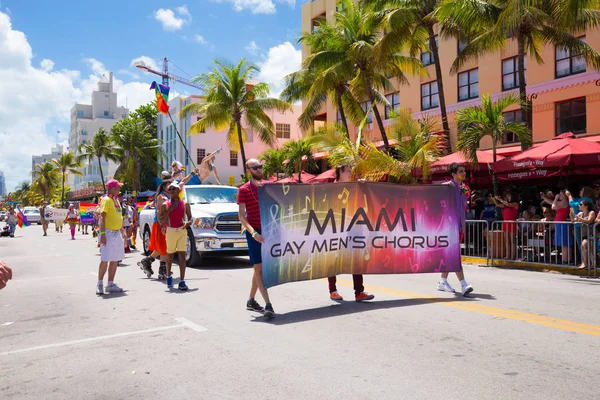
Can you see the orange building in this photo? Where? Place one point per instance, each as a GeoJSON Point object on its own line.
{"type": "Point", "coordinates": [565, 91]}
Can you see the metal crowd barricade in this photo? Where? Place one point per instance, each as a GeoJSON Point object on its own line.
{"type": "Point", "coordinates": [475, 243]}
{"type": "Point", "coordinates": [562, 244]}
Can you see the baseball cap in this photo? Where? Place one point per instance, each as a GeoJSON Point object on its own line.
{"type": "Point", "coordinates": [165, 175]}
{"type": "Point", "coordinates": [113, 183]}
{"type": "Point", "coordinates": [175, 185]}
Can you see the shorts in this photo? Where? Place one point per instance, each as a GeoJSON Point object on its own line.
{"type": "Point", "coordinates": [113, 250]}
{"type": "Point", "coordinates": [254, 249]}
{"type": "Point", "coordinates": [176, 240]}
{"type": "Point", "coordinates": [158, 241]}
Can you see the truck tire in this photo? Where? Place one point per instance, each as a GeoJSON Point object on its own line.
{"type": "Point", "coordinates": [192, 257]}
{"type": "Point", "coordinates": [146, 240]}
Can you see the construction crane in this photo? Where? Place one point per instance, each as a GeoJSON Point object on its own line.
{"type": "Point", "coordinates": [165, 74]}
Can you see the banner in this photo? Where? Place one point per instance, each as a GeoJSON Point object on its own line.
{"type": "Point", "coordinates": [56, 214]}
{"type": "Point", "coordinates": [316, 231]}
{"type": "Point", "coordinates": [86, 212]}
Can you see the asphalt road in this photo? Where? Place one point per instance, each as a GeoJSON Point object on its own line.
{"type": "Point", "coordinates": [522, 335]}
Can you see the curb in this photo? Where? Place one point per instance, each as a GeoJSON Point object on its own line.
{"type": "Point", "coordinates": [482, 261]}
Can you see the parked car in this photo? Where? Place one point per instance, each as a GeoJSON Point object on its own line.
{"type": "Point", "coordinates": [3, 215]}
{"type": "Point", "coordinates": [216, 228]}
{"type": "Point", "coordinates": [33, 215]}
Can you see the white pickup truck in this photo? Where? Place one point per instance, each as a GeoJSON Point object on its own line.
{"type": "Point", "coordinates": [216, 228]}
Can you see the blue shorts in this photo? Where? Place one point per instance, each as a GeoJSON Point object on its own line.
{"type": "Point", "coordinates": [254, 249]}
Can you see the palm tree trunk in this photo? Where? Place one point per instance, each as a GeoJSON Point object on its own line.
{"type": "Point", "coordinates": [384, 137]}
{"type": "Point", "coordinates": [101, 174]}
{"type": "Point", "coordinates": [62, 197]}
{"type": "Point", "coordinates": [340, 107]}
{"type": "Point", "coordinates": [494, 176]}
{"type": "Point", "coordinates": [525, 105]}
{"type": "Point", "coordinates": [440, 84]}
{"type": "Point", "coordinates": [241, 140]}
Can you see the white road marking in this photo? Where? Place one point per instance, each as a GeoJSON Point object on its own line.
{"type": "Point", "coordinates": [92, 339]}
{"type": "Point", "coordinates": [189, 324]}
{"type": "Point", "coordinates": [7, 323]}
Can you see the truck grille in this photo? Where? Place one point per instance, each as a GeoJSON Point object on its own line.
{"type": "Point", "coordinates": [228, 223]}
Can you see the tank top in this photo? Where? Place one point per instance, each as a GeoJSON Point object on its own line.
{"type": "Point", "coordinates": [562, 214]}
{"type": "Point", "coordinates": [177, 215]}
{"type": "Point", "coordinates": [511, 213]}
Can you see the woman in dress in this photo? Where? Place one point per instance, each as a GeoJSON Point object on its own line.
{"type": "Point", "coordinates": [72, 219]}
{"type": "Point", "coordinates": [563, 237]}
{"type": "Point", "coordinates": [510, 211]}
{"type": "Point", "coordinates": [585, 220]}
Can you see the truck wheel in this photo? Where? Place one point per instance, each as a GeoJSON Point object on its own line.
{"type": "Point", "coordinates": [191, 255]}
{"type": "Point", "coordinates": [146, 240]}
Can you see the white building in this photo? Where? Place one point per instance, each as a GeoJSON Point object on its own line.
{"type": "Point", "coordinates": [87, 119]}
{"type": "Point", "coordinates": [228, 163]}
{"type": "Point", "coordinates": [55, 152]}
{"type": "Point", "coordinates": [2, 184]}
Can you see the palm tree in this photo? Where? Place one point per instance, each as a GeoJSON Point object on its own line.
{"type": "Point", "coordinates": [273, 162]}
{"type": "Point", "coordinates": [46, 181]}
{"type": "Point", "coordinates": [316, 86]}
{"type": "Point", "coordinates": [231, 98]}
{"type": "Point", "coordinates": [100, 147]}
{"type": "Point", "coordinates": [418, 16]}
{"type": "Point", "coordinates": [475, 123]}
{"type": "Point", "coordinates": [534, 24]}
{"type": "Point", "coordinates": [20, 192]}
{"type": "Point", "coordinates": [359, 45]}
{"type": "Point", "coordinates": [332, 140]}
{"type": "Point", "coordinates": [418, 147]}
{"type": "Point", "coordinates": [134, 145]}
{"type": "Point", "coordinates": [67, 163]}
{"type": "Point", "coordinates": [297, 153]}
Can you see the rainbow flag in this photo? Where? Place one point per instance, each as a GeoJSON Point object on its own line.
{"type": "Point", "coordinates": [21, 218]}
{"type": "Point", "coordinates": [86, 212]}
{"type": "Point", "coordinates": [140, 205]}
{"type": "Point", "coordinates": [162, 97]}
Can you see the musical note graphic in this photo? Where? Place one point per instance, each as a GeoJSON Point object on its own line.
{"type": "Point", "coordinates": [413, 267]}
{"type": "Point", "coordinates": [306, 201]}
{"type": "Point", "coordinates": [286, 189]}
{"type": "Point", "coordinates": [386, 261]}
{"type": "Point", "coordinates": [344, 196]}
{"type": "Point", "coordinates": [387, 201]}
{"type": "Point", "coordinates": [367, 256]}
{"type": "Point", "coordinates": [366, 204]}
{"type": "Point", "coordinates": [291, 209]}
{"type": "Point", "coordinates": [274, 210]}
{"type": "Point", "coordinates": [308, 266]}
{"type": "Point", "coordinates": [426, 206]}
{"type": "Point", "coordinates": [325, 198]}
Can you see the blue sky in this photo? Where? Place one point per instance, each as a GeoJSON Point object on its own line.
{"type": "Point", "coordinates": [54, 52]}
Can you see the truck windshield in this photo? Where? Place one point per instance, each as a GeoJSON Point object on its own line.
{"type": "Point", "coordinates": [210, 194]}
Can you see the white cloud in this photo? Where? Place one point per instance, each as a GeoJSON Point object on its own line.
{"type": "Point", "coordinates": [200, 39]}
{"type": "Point", "coordinates": [47, 65]}
{"type": "Point", "coordinates": [255, 6]}
{"type": "Point", "coordinates": [170, 21]}
{"type": "Point", "coordinates": [252, 48]}
{"type": "Point", "coordinates": [281, 60]}
{"type": "Point", "coordinates": [40, 100]}
{"type": "Point", "coordinates": [150, 62]}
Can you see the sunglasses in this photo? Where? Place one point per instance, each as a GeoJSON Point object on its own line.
{"type": "Point", "coordinates": [256, 168]}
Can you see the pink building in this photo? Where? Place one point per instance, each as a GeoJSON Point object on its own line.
{"type": "Point", "coordinates": [228, 163]}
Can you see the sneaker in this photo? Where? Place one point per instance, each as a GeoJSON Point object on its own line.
{"type": "Point", "coordinates": [335, 296]}
{"type": "Point", "coordinates": [252, 305]}
{"type": "Point", "coordinates": [99, 290]}
{"type": "Point", "coordinates": [467, 289]}
{"type": "Point", "coordinates": [269, 312]}
{"type": "Point", "coordinates": [364, 296]}
{"type": "Point", "coordinates": [170, 281]}
{"type": "Point", "coordinates": [444, 286]}
{"type": "Point", "coordinates": [113, 288]}
{"type": "Point", "coordinates": [182, 285]}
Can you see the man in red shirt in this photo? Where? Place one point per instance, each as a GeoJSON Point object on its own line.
{"type": "Point", "coordinates": [249, 213]}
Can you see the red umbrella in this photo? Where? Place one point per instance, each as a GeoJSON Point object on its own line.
{"type": "Point", "coordinates": [483, 159]}
{"type": "Point", "coordinates": [564, 151]}
{"type": "Point", "coordinates": [327, 176]}
{"type": "Point", "coordinates": [305, 177]}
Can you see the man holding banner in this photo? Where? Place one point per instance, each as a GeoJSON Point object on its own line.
{"type": "Point", "coordinates": [459, 174]}
{"type": "Point", "coordinates": [249, 214]}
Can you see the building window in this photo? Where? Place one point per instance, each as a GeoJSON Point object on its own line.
{"type": "Point", "coordinates": [282, 131]}
{"type": "Point", "coordinates": [80, 113]}
{"type": "Point", "coordinates": [570, 116]}
{"type": "Point", "coordinates": [366, 106]}
{"type": "Point", "coordinates": [106, 113]}
{"type": "Point", "coordinates": [510, 73]}
{"type": "Point", "coordinates": [468, 85]}
{"type": "Point", "coordinates": [427, 56]}
{"type": "Point", "coordinates": [83, 132]}
{"type": "Point", "coordinates": [429, 96]}
{"type": "Point", "coordinates": [461, 46]}
{"type": "Point", "coordinates": [233, 158]}
{"type": "Point", "coordinates": [200, 154]}
{"type": "Point", "coordinates": [512, 116]}
{"type": "Point", "coordinates": [394, 100]}
{"type": "Point", "coordinates": [567, 64]}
